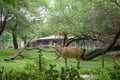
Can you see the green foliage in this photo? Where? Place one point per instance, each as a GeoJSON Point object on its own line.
{"type": "Point", "coordinates": [51, 73]}
{"type": "Point", "coordinates": [64, 74]}
{"type": "Point", "coordinates": [17, 22]}
{"type": "Point", "coordinates": [109, 74]}
{"type": "Point", "coordinates": [31, 72]}
{"type": "Point", "coordinates": [5, 37]}
{"type": "Point", "coordinates": [79, 18]}
{"type": "Point", "coordinates": [14, 3]}
{"type": "Point", "coordinates": [115, 72]}
{"type": "Point", "coordinates": [104, 75]}
{"type": "Point", "coordinates": [19, 74]}
{"type": "Point", "coordinates": [29, 68]}
{"type": "Point", "coordinates": [70, 74]}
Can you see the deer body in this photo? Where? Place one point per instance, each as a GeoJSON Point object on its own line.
{"type": "Point", "coordinates": [69, 52]}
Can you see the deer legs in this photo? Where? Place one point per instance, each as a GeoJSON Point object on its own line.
{"type": "Point", "coordinates": [78, 65]}
{"type": "Point", "coordinates": [65, 62]}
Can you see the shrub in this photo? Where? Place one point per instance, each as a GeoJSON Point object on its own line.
{"type": "Point", "coordinates": [70, 74]}
{"type": "Point", "coordinates": [51, 74]}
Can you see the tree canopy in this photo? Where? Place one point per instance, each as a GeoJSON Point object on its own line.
{"type": "Point", "coordinates": [84, 17]}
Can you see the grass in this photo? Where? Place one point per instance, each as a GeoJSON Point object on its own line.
{"type": "Point", "coordinates": [28, 69]}
{"type": "Point", "coordinates": [18, 62]}
{"type": "Point", "coordinates": [86, 67]}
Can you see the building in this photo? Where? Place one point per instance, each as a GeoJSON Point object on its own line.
{"type": "Point", "coordinates": [48, 41]}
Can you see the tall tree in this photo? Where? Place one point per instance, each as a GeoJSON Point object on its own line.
{"type": "Point", "coordinates": [5, 10]}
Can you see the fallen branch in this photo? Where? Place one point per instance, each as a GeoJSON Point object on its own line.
{"type": "Point", "coordinates": [18, 53]}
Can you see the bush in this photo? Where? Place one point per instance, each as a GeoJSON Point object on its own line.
{"type": "Point", "coordinates": [18, 74]}
{"type": "Point", "coordinates": [70, 74]}
{"type": "Point", "coordinates": [109, 74]}
{"type": "Point", "coordinates": [115, 73]}
{"type": "Point", "coordinates": [64, 74]}
{"type": "Point", "coordinates": [51, 74]}
{"type": "Point", "coordinates": [31, 71]}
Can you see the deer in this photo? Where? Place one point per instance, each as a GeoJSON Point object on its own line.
{"type": "Point", "coordinates": [115, 56]}
{"type": "Point", "coordinates": [69, 52]}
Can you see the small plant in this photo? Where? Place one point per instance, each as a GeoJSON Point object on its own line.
{"type": "Point", "coordinates": [70, 74]}
{"type": "Point", "coordinates": [115, 73]}
{"type": "Point", "coordinates": [65, 74]}
{"type": "Point", "coordinates": [1, 72]}
{"type": "Point", "coordinates": [51, 74]}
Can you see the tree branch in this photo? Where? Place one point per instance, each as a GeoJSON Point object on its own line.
{"type": "Point", "coordinates": [3, 25]}
{"type": "Point", "coordinates": [117, 3]}
{"type": "Point", "coordinates": [93, 54]}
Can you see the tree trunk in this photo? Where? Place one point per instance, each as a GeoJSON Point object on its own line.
{"type": "Point", "coordinates": [3, 23]}
{"type": "Point", "coordinates": [65, 39]}
{"type": "Point", "coordinates": [24, 41]}
{"type": "Point", "coordinates": [15, 43]}
{"type": "Point", "coordinates": [93, 54]}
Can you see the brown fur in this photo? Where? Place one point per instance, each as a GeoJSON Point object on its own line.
{"type": "Point", "coordinates": [69, 52]}
{"type": "Point", "coordinates": [115, 56]}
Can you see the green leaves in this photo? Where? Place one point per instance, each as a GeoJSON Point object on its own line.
{"type": "Point", "coordinates": [10, 2]}
{"type": "Point", "coordinates": [14, 3]}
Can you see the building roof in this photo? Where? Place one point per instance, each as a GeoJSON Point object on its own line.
{"type": "Point", "coordinates": [51, 37]}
